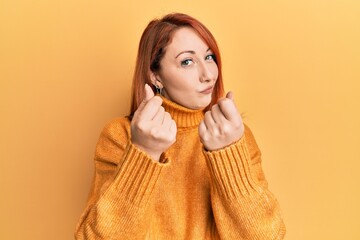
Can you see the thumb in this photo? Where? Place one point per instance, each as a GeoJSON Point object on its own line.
{"type": "Point", "coordinates": [148, 93]}
{"type": "Point", "coordinates": [229, 95]}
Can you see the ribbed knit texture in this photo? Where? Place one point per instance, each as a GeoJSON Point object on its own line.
{"type": "Point", "coordinates": [191, 194]}
{"type": "Point", "coordinates": [233, 178]}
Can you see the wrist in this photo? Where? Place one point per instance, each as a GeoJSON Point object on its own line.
{"type": "Point", "coordinates": [153, 154]}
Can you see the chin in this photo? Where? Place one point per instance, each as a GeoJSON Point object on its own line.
{"type": "Point", "coordinates": [197, 103]}
{"type": "Point", "coordinates": [201, 104]}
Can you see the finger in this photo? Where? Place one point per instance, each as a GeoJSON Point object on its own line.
{"type": "Point", "coordinates": [217, 115]}
{"type": "Point", "coordinates": [229, 95]}
{"type": "Point", "coordinates": [159, 116]}
{"type": "Point", "coordinates": [173, 127]}
{"type": "Point", "coordinates": [167, 121]}
{"type": "Point", "coordinates": [202, 128]}
{"type": "Point", "coordinates": [151, 108]}
{"type": "Point", "coordinates": [148, 92]}
{"type": "Point", "coordinates": [228, 108]}
{"type": "Point", "coordinates": [209, 121]}
{"type": "Point", "coordinates": [148, 95]}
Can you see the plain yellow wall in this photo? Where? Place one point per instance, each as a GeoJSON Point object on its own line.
{"type": "Point", "coordinates": [66, 67]}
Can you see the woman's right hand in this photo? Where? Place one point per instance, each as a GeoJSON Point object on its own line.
{"type": "Point", "coordinates": [152, 129]}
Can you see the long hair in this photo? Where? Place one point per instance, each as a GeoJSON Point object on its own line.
{"type": "Point", "coordinates": [155, 38]}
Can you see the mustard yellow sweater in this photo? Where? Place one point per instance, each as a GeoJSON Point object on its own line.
{"type": "Point", "coordinates": [191, 194]}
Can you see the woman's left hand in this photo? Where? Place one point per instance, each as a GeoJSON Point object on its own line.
{"type": "Point", "coordinates": [222, 125]}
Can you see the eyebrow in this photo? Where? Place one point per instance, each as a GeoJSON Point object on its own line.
{"type": "Point", "coordinates": [189, 51]}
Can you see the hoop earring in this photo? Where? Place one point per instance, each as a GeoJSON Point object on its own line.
{"type": "Point", "coordinates": [159, 90]}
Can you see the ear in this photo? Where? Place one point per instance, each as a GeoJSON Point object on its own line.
{"type": "Point", "coordinates": [155, 79]}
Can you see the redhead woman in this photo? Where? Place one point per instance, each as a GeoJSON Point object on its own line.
{"type": "Point", "coordinates": [182, 165]}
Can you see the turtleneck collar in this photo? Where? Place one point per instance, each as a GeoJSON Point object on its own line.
{"type": "Point", "coordinates": [184, 117]}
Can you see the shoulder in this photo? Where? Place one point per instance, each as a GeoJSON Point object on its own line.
{"type": "Point", "coordinates": [250, 141]}
{"type": "Point", "coordinates": [113, 139]}
{"type": "Point", "coordinates": [117, 128]}
{"type": "Point", "coordinates": [248, 132]}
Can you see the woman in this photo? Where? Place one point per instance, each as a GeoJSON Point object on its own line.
{"type": "Point", "coordinates": [182, 165]}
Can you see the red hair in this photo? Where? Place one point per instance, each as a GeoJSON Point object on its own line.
{"type": "Point", "coordinates": [155, 38]}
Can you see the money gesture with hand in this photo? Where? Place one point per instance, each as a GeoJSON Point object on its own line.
{"type": "Point", "coordinates": [152, 128]}
{"type": "Point", "coordinates": [222, 125]}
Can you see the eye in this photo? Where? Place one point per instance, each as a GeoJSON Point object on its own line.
{"type": "Point", "coordinates": [186, 62]}
{"type": "Point", "coordinates": [210, 57]}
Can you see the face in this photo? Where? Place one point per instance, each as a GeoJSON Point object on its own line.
{"type": "Point", "coordinates": [188, 71]}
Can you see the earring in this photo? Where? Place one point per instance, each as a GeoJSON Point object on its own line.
{"type": "Point", "coordinates": [158, 90]}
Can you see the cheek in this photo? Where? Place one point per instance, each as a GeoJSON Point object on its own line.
{"type": "Point", "coordinates": [215, 71]}
{"type": "Point", "coordinates": [180, 80]}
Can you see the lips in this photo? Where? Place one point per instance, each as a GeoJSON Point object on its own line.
{"type": "Point", "coordinates": [208, 90]}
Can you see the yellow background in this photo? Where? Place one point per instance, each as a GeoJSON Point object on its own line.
{"type": "Point", "coordinates": [66, 67]}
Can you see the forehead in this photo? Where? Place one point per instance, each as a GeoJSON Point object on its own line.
{"type": "Point", "coordinates": [186, 39]}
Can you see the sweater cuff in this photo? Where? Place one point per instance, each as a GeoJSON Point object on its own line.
{"type": "Point", "coordinates": [138, 174]}
{"type": "Point", "coordinates": [230, 169]}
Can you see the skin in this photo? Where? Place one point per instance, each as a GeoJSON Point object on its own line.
{"type": "Point", "coordinates": [152, 129]}
{"type": "Point", "coordinates": [187, 69]}
{"type": "Point", "coordinates": [222, 125]}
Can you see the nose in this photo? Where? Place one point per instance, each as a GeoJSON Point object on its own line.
{"type": "Point", "coordinates": [206, 72]}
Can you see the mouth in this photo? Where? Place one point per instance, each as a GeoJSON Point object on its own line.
{"type": "Point", "coordinates": [207, 90]}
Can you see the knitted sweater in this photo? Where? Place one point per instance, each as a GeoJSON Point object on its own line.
{"type": "Point", "coordinates": [190, 194]}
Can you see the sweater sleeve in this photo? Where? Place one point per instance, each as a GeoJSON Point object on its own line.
{"type": "Point", "coordinates": [124, 180]}
{"type": "Point", "coordinates": [243, 206]}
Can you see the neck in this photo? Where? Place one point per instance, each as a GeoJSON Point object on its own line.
{"type": "Point", "coordinates": [184, 117]}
